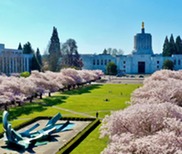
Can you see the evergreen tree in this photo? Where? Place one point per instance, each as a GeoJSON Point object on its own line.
{"type": "Point", "coordinates": [111, 68]}
{"type": "Point", "coordinates": [105, 52]}
{"type": "Point", "coordinates": [36, 61]}
{"type": "Point", "coordinates": [39, 60]}
{"type": "Point", "coordinates": [166, 48]}
{"type": "Point", "coordinates": [172, 45]}
{"type": "Point", "coordinates": [109, 51]}
{"type": "Point", "coordinates": [27, 48]}
{"type": "Point", "coordinates": [71, 57]}
{"type": "Point", "coordinates": [54, 51]}
{"type": "Point", "coordinates": [113, 51]}
{"type": "Point", "coordinates": [20, 47]}
{"type": "Point", "coordinates": [178, 45]}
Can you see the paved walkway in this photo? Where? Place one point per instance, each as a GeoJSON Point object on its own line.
{"type": "Point", "coordinates": [82, 113]}
{"type": "Point", "coordinates": [73, 112]}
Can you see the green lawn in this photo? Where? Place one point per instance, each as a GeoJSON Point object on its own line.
{"type": "Point", "coordinates": [92, 99]}
{"type": "Point", "coordinates": [83, 102]}
{"type": "Point", "coordinates": [92, 144]}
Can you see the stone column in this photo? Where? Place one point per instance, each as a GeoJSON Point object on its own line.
{"type": "Point", "coordinates": [28, 64]}
{"type": "Point", "coordinates": [5, 65]}
{"type": "Point", "coordinates": [16, 64]}
{"type": "Point", "coordinates": [24, 68]}
{"type": "Point", "coordinates": [21, 64]}
{"type": "Point", "coordinates": [9, 64]}
{"type": "Point", "coordinates": [13, 66]}
{"type": "Point", "coordinates": [2, 63]}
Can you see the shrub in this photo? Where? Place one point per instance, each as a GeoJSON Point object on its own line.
{"type": "Point", "coordinates": [25, 74]}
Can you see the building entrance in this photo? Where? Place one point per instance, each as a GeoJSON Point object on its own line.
{"type": "Point", "coordinates": [141, 67]}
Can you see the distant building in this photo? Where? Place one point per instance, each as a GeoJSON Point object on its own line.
{"type": "Point", "coordinates": [141, 61]}
{"type": "Point", "coordinates": [13, 61]}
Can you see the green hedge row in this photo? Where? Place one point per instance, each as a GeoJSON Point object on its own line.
{"type": "Point", "coordinates": [79, 138]}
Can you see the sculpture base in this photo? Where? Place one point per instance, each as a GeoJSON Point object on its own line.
{"type": "Point", "coordinates": [50, 145]}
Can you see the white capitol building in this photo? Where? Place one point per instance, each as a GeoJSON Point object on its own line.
{"type": "Point", "coordinates": [14, 61]}
{"type": "Point", "coordinates": [141, 61]}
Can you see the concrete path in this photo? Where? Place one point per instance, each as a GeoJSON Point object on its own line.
{"type": "Point", "coordinates": [73, 112]}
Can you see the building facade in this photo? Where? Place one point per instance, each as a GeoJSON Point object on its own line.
{"type": "Point", "coordinates": [141, 61]}
{"type": "Point", "coordinates": [14, 61]}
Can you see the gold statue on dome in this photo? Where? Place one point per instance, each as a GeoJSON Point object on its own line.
{"type": "Point", "coordinates": [142, 25]}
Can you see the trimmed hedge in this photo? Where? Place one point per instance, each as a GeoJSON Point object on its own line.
{"type": "Point", "coordinates": [79, 138]}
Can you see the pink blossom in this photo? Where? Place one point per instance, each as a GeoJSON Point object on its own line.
{"type": "Point", "coordinates": [162, 142]}
{"type": "Point", "coordinates": [159, 89]}
{"type": "Point", "coordinates": [73, 74]}
{"type": "Point", "coordinates": [143, 128]}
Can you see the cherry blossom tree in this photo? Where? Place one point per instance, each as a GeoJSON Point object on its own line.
{"type": "Point", "coordinates": [16, 89]}
{"type": "Point", "coordinates": [153, 122]}
{"type": "Point", "coordinates": [73, 74]}
{"type": "Point", "coordinates": [162, 86]}
{"type": "Point", "coordinates": [141, 128]}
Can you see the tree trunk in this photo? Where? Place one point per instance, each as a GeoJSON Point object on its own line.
{"type": "Point", "coordinates": [19, 103]}
{"type": "Point", "coordinates": [31, 98]}
{"type": "Point", "coordinates": [6, 107]}
{"type": "Point", "coordinates": [40, 96]}
{"type": "Point", "coordinates": [49, 94]}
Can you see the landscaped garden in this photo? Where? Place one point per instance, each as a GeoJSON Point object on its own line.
{"type": "Point", "coordinates": [150, 123]}
{"type": "Point", "coordinates": [82, 102]}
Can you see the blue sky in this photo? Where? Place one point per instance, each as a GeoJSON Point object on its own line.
{"type": "Point", "coordinates": [94, 24]}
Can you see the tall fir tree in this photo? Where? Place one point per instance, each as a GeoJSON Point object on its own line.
{"type": "Point", "coordinates": [20, 47]}
{"type": "Point", "coordinates": [27, 48]}
{"type": "Point", "coordinates": [166, 48]}
{"type": "Point", "coordinates": [39, 60]}
{"type": "Point", "coordinates": [105, 52]}
{"type": "Point", "coordinates": [172, 45]}
{"type": "Point", "coordinates": [178, 45]}
{"type": "Point", "coordinates": [54, 51]}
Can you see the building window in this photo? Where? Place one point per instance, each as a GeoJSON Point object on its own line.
{"type": "Point", "coordinates": [157, 62]}
{"type": "Point", "coordinates": [124, 62]}
{"type": "Point", "coordinates": [124, 66]}
{"type": "Point", "coordinates": [109, 60]}
{"type": "Point", "coordinates": [157, 66]}
{"type": "Point", "coordinates": [106, 62]}
{"type": "Point", "coordinates": [179, 62]}
{"type": "Point", "coordinates": [94, 62]}
{"type": "Point", "coordinates": [101, 61]}
{"type": "Point", "coordinates": [175, 62]}
{"type": "Point", "coordinates": [97, 62]}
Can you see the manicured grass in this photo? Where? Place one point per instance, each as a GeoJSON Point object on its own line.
{"type": "Point", "coordinates": [101, 98]}
{"type": "Point", "coordinates": [83, 102]}
{"type": "Point", "coordinates": [95, 100]}
{"type": "Point", "coordinates": [92, 144]}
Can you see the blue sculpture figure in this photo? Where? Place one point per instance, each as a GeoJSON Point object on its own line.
{"type": "Point", "coordinates": [27, 138]}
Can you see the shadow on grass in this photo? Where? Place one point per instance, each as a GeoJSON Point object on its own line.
{"type": "Point", "coordinates": [82, 90]}
{"type": "Point", "coordinates": [42, 105]}
{"type": "Point", "coordinates": [54, 100]}
{"type": "Point", "coordinates": [31, 147]}
{"type": "Point", "coordinates": [29, 108]}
